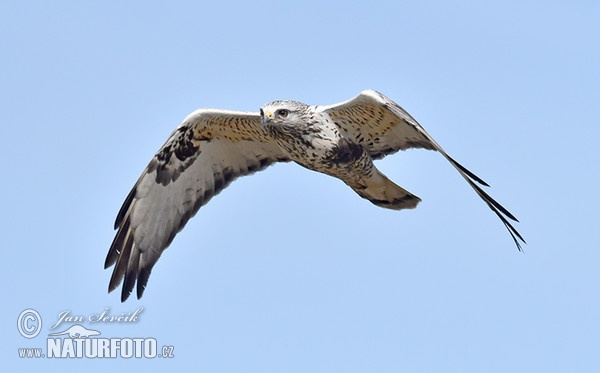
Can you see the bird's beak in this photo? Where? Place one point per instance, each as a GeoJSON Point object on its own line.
{"type": "Point", "coordinates": [266, 116]}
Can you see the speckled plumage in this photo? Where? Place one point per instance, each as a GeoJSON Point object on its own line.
{"type": "Point", "coordinates": [211, 148]}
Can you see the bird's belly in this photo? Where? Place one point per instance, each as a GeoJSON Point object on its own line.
{"type": "Point", "coordinates": [310, 157]}
{"type": "Point", "coordinates": [341, 159]}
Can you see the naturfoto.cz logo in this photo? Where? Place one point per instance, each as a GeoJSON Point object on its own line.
{"type": "Point", "coordinates": [78, 341]}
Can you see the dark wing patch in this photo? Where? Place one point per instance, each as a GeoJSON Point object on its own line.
{"type": "Point", "coordinates": [382, 127]}
{"type": "Point", "coordinates": [175, 156]}
{"type": "Point", "coordinates": [346, 152]}
{"type": "Point", "coordinates": [209, 150]}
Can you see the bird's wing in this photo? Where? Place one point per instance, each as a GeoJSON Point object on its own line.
{"type": "Point", "coordinates": [204, 154]}
{"type": "Point", "coordinates": [382, 127]}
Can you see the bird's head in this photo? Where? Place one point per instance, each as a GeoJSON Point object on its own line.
{"type": "Point", "coordinates": [283, 114]}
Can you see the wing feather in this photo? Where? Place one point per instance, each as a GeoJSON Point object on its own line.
{"type": "Point", "coordinates": [204, 154]}
{"type": "Point", "coordinates": [378, 124]}
{"type": "Point", "coordinates": [382, 127]}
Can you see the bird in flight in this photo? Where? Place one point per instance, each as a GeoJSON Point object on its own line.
{"type": "Point", "coordinates": [211, 148]}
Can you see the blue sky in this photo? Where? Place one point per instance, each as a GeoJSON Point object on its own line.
{"type": "Point", "coordinates": [289, 270]}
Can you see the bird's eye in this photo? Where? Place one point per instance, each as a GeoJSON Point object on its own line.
{"type": "Point", "coordinates": [282, 113]}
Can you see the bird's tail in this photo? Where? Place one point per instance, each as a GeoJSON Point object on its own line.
{"type": "Point", "coordinates": [383, 192]}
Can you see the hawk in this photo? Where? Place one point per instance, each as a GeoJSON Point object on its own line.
{"type": "Point", "coordinates": [211, 148]}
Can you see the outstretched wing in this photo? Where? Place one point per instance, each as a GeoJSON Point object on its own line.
{"type": "Point", "coordinates": [204, 154]}
{"type": "Point", "coordinates": [382, 127]}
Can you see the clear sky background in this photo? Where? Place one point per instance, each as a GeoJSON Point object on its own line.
{"type": "Point", "coordinates": [289, 270]}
